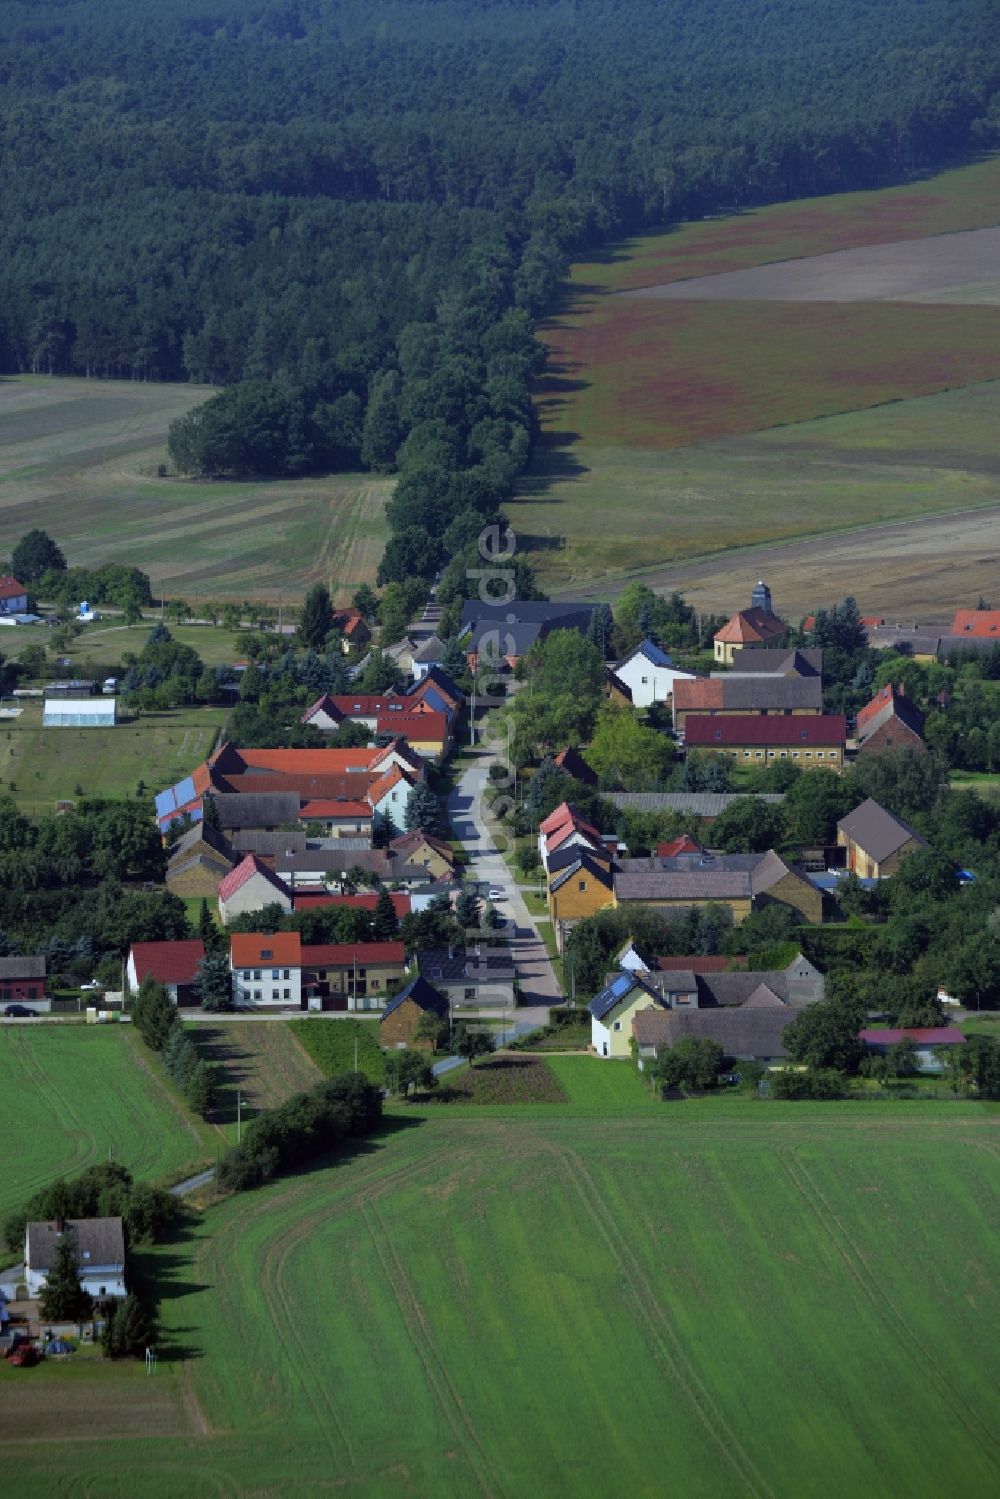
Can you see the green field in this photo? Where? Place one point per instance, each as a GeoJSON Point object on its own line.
{"type": "Point", "coordinates": [99, 648]}
{"type": "Point", "coordinates": [84, 455]}
{"type": "Point", "coordinates": [770, 1301]}
{"type": "Point", "coordinates": [39, 767]}
{"type": "Point", "coordinates": [331, 1045]}
{"type": "Point", "coordinates": [74, 1095]}
{"type": "Point", "coordinates": [679, 430]}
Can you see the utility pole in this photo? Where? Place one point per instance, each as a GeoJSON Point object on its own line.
{"type": "Point", "coordinates": [355, 1053]}
{"type": "Point", "coordinates": [239, 1115]}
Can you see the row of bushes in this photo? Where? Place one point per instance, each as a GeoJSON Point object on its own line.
{"type": "Point", "coordinates": [104, 1191]}
{"type": "Point", "coordinates": [155, 1016]}
{"type": "Point", "coordinates": [306, 1126]}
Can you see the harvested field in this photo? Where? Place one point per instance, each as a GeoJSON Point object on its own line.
{"type": "Point", "coordinates": [261, 1058]}
{"type": "Point", "coordinates": [84, 453]}
{"type": "Point", "coordinates": [61, 1398]}
{"type": "Point", "coordinates": [926, 270]}
{"type": "Point", "coordinates": [432, 1315]}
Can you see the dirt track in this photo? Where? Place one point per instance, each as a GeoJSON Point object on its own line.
{"type": "Point", "coordinates": [930, 269]}
{"type": "Point", "coordinates": [932, 565]}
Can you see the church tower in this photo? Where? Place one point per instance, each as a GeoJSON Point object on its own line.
{"type": "Point", "coordinates": [761, 597]}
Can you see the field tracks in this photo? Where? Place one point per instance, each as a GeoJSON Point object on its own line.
{"type": "Point", "coordinates": [878, 1297]}
{"type": "Point", "coordinates": [655, 1319]}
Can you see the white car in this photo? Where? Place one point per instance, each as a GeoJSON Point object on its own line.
{"type": "Point", "coordinates": [91, 984]}
{"type": "Point", "coordinates": [496, 893]}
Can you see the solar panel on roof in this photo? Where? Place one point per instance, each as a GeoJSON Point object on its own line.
{"type": "Point", "coordinates": [165, 802]}
{"type": "Point", "coordinates": [621, 984]}
{"type": "Point", "coordinates": [184, 791]}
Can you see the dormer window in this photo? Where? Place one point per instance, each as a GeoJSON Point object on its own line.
{"type": "Point", "coordinates": [266, 952]}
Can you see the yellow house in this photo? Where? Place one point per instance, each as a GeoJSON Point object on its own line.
{"type": "Point", "coordinates": [582, 887]}
{"type": "Point", "coordinates": [612, 1011]}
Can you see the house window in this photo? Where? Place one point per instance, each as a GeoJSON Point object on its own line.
{"type": "Point", "coordinates": [103, 1291]}
{"type": "Point", "coordinates": [256, 995]}
{"type": "Point", "coordinates": [746, 754]}
{"type": "Point", "coordinates": [470, 993]}
{"type": "Point", "coordinates": [581, 884]}
{"type": "Point", "coordinates": [256, 975]}
{"type": "Point", "coordinates": [287, 994]}
{"type": "Point", "coordinates": [617, 1026]}
{"type": "Point", "coordinates": [645, 679]}
{"type": "Point", "coordinates": [809, 754]}
{"type": "Point", "coordinates": [759, 755]}
{"type": "Point", "coordinates": [376, 983]}
{"type": "Point", "coordinates": [285, 974]}
{"type": "Point", "coordinates": [275, 993]}
{"type": "Point", "coordinates": [805, 733]}
{"type": "Point", "coordinates": [276, 973]}
{"type": "Point", "coordinates": [795, 755]}
{"type": "Point", "coordinates": [783, 754]}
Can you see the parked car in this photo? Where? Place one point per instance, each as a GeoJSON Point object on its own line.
{"type": "Point", "coordinates": [19, 1012]}
{"type": "Point", "coordinates": [25, 1356]}
{"type": "Point", "coordinates": [90, 984]}
{"type": "Point", "coordinates": [495, 892]}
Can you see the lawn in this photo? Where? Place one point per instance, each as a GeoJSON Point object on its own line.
{"type": "Point", "coordinates": [74, 1095]}
{"type": "Point", "coordinates": [39, 767]}
{"type": "Point", "coordinates": [98, 650]}
{"type": "Point", "coordinates": [331, 1045]}
{"type": "Point", "coordinates": [547, 1305]}
{"type": "Point", "coordinates": [86, 454]}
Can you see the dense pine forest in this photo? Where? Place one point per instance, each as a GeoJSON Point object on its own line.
{"type": "Point", "coordinates": [350, 213]}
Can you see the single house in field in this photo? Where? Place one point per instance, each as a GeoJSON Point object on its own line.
{"type": "Point", "coordinates": [613, 1010]}
{"type": "Point", "coordinates": [13, 596]}
{"type": "Point", "coordinates": [250, 887]}
{"type": "Point", "coordinates": [756, 626]}
{"type": "Point", "coordinates": [404, 1012]}
{"type": "Point", "coordinates": [172, 964]}
{"type": "Point", "coordinates": [876, 840]}
{"type": "Point", "coordinates": [353, 627]}
{"type": "Point", "coordinates": [22, 979]}
{"type": "Point", "coordinates": [745, 1034]}
{"type": "Point", "coordinates": [649, 674]}
{"type": "Point", "coordinates": [889, 721]}
{"type": "Point", "coordinates": [79, 713]}
{"type": "Point", "coordinates": [813, 742]}
{"type": "Point", "coordinates": [470, 976]}
{"type": "Point", "coordinates": [99, 1247]}
{"type": "Point", "coordinates": [930, 1043]}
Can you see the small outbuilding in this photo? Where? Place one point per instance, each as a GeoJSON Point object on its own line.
{"type": "Point", "coordinates": [876, 840]}
{"type": "Point", "coordinates": [402, 1016]}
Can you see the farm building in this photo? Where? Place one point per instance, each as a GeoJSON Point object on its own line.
{"type": "Point", "coordinates": [13, 596]}
{"type": "Point", "coordinates": [80, 713]}
{"type": "Point", "coordinates": [745, 1034]}
{"type": "Point", "coordinates": [929, 1042]}
{"type": "Point", "coordinates": [813, 741]}
{"type": "Point", "coordinates": [404, 1012]}
{"type": "Point", "coordinates": [889, 721]}
{"type": "Point", "coordinates": [250, 887]}
{"type": "Point", "coordinates": [172, 964]}
{"type": "Point", "coordinates": [22, 980]}
{"type": "Point", "coordinates": [763, 661]}
{"type": "Point", "coordinates": [99, 1244]}
{"type": "Point", "coordinates": [876, 840]}
{"type": "Point", "coordinates": [753, 693]}
{"type": "Point", "coordinates": [649, 674]}
{"type": "Point", "coordinates": [198, 862]}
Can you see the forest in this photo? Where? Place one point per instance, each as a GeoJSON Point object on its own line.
{"type": "Point", "coordinates": [351, 215]}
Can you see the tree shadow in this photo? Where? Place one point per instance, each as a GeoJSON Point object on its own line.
{"type": "Point", "coordinates": [217, 1045]}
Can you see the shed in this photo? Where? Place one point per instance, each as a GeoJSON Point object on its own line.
{"type": "Point", "coordinates": [80, 713]}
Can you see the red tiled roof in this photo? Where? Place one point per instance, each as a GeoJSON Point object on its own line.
{"type": "Point", "coordinates": [976, 622]}
{"type": "Point", "coordinates": [345, 954]}
{"type": "Point", "coordinates": [563, 813]}
{"type": "Point", "coordinates": [682, 845]}
{"type": "Point", "coordinates": [315, 762]}
{"type": "Point", "coordinates": [882, 698]}
{"type": "Point", "coordinates": [751, 627]}
{"type": "Point", "coordinates": [336, 806]}
{"type": "Point", "coordinates": [697, 963]}
{"type": "Point", "coordinates": [424, 724]}
{"type": "Point", "coordinates": [567, 829]}
{"type": "Point", "coordinates": [806, 729]}
{"type": "Point", "coordinates": [931, 1035]}
{"type": "Point", "coordinates": [245, 871]}
{"type": "Point", "coordinates": [702, 692]}
{"type": "Point", "coordinates": [307, 900]}
{"type": "Point", "coordinates": [168, 962]}
{"type": "Point", "coordinates": [254, 949]}
{"type": "Point", "coordinates": [10, 588]}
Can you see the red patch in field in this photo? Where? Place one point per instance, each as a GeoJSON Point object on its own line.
{"type": "Point", "coordinates": [665, 375]}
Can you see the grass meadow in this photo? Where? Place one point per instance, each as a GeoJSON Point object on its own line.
{"type": "Point", "coordinates": [84, 454]}
{"type": "Point", "coordinates": [798, 1301]}
{"type": "Point", "coordinates": [679, 430]}
{"type": "Point", "coordinates": [73, 1095]}
{"type": "Point", "coordinates": [40, 766]}
{"type": "Point", "coordinates": [331, 1046]}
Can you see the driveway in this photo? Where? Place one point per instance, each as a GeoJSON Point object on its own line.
{"type": "Point", "coordinates": [531, 960]}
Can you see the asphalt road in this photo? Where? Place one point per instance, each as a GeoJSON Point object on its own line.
{"type": "Point", "coordinates": [531, 960]}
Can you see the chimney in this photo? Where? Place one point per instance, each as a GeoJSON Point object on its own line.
{"type": "Point", "coordinates": [60, 1224]}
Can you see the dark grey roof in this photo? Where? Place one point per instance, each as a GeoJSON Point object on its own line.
{"type": "Point", "coordinates": [268, 845]}
{"type": "Point", "coordinates": [423, 994]}
{"type": "Point", "coordinates": [519, 624]}
{"type": "Point", "coordinates": [339, 860]}
{"type": "Point", "coordinates": [432, 650]}
{"type": "Point", "coordinates": [688, 884]}
{"type": "Point", "coordinates": [198, 839]}
{"type": "Point", "coordinates": [619, 987]}
{"type": "Point", "coordinates": [30, 967]}
{"type": "Point", "coordinates": [740, 1033]}
{"type": "Point", "coordinates": [459, 964]}
{"type": "Point", "coordinates": [782, 694]}
{"type": "Point", "coordinates": [583, 860]}
{"type": "Point", "coordinates": [98, 1241]}
{"type": "Point", "coordinates": [257, 809]}
{"type": "Point", "coordinates": [697, 803]}
{"type": "Point", "coordinates": [877, 831]}
{"type": "Point", "coordinates": [728, 990]}
{"type": "Point", "coordinates": [574, 852]}
{"type": "Point", "coordinates": [804, 662]}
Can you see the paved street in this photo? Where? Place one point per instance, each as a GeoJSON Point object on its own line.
{"type": "Point", "coordinates": [534, 970]}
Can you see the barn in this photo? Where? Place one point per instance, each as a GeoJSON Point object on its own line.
{"type": "Point", "coordinates": [80, 713]}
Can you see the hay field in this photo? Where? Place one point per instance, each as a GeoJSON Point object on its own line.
{"type": "Point", "coordinates": [788, 1302]}
{"type": "Point", "coordinates": [261, 1059]}
{"type": "Point", "coordinates": [80, 458]}
{"type": "Point", "coordinates": [73, 1094]}
{"type": "Point", "coordinates": [671, 428]}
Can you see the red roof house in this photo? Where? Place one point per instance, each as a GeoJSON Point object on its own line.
{"type": "Point", "coordinates": [172, 964]}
